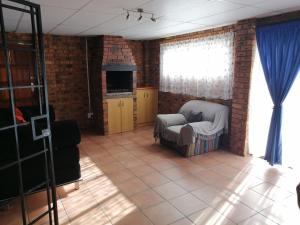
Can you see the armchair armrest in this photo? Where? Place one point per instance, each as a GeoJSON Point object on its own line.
{"type": "Point", "coordinates": [65, 133]}
{"type": "Point", "coordinates": [166, 120]}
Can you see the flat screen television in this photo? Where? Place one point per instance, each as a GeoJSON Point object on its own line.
{"type": "Point", "coordinates": [119, 81]}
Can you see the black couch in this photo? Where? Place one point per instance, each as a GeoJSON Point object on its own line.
{"type": "Point", "coordinates": [65, 138]}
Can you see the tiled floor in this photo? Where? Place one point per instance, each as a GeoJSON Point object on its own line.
{"type": "Point", "coordinates": [130, 180]}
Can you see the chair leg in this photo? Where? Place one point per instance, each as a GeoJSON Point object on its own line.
{"type": "Point", "coordinates": [77, 185]}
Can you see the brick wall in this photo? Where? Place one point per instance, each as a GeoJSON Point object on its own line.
{"type": "Point", "coordinates": [137, 49]}
{"type": "Point", "coordinates": [112, 50]}
{"type": "Point", "coordinates": [66, 72]}
{"type": "Point", "coordinates": [66, 75]}
{"type": "Point", "coordinates": [244, 46]}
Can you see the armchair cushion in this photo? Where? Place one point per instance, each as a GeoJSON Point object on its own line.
{"type": "Point", "coordinates": [172, 119]}
{"type": "Point", "coordinates": [194, 117]}
{"type": "Point", "coordinates": [164, 121]}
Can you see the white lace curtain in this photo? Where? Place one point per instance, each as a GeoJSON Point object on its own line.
{"type": "Point", "coordinates": [200, 67]}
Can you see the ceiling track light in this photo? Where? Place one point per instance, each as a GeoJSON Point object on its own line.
{"type": "Point", "coordinates": [141, 14]}
{"type": "Point", "coordinates": [140, 17]}
{"type": "Point", "coordinates": [153, 19]}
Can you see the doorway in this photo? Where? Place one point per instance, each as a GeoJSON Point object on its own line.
{"type": "Point", "coordinates": [260, 113]}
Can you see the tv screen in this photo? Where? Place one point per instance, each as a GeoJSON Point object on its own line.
{"type": "Point", "coordinates": [119, 81]}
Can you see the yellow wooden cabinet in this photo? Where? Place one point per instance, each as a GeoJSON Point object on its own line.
{"type": "Point", "coordinates": [120, 115]}
{"type": "Point", "coordinates": [147, 99]}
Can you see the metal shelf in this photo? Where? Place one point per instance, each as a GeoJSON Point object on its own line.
{"type": "Point", "coordinates": [36, 48]}
{"type": "Point", "coordinates": [20, 87]}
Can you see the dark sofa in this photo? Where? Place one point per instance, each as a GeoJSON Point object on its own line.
{"type": "Point", "coordinates": [65, 138]}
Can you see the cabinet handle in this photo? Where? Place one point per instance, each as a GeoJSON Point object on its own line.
{"type": "Point", "coordinates": [120, 104]}
{"type": "Point", "coordinates": [144, 94]}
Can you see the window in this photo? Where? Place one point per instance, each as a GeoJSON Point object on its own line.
{"type": "Point", "coordinates": [199, 67]}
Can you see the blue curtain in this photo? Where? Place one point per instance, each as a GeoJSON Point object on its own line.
{"type": "Point", "coordinates": [279, 50]}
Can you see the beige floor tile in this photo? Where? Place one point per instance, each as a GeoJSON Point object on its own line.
{"type": "Point", "coordinates": [12, 215]}
{"type": "Point", "coordinates": [111, 190]}
{"type": "Point", "coordinates": [282, 214]}
{"type": "Point", "coordinates": [235, 211]}
{"type": "Point", "coordinates": [104, 160]}
{"type": "Point", "coordinates": [134, 217]}
{"type": "Point", "coordinates": [146, 199]}
{"type": "Point", "coordinates": [92, 216]}
{"type": "Point", "coordinates": [117, 206]}
{"type": "Point", "coordinates": [132, 162]}
{"type": "Point", "coordinates": [253, 200]}
{"type": "Point", "coordinates": [205, 161]}
{"type": "Point", "coordinates": [187, 204]}
{"type": "Point", "coordinates": [246, 180]}
{"type": "Point", "coordinates": [132, 186]}
{"type": "Point", "coordinates": [174, 173]}
{"type": "Point", "coordinates": [170, 190]}
{"type": "Point", "coordinates": [112, 167]}
{"type": "Point", "coordinates": [183, 222]}
{"type": "Point", "coordinates": [192, 168]}
{"type": "Point", "coordinates": [209, 176]}
{"type": "Point", "coordinates": [120, 176]}
{"type": "Point", "coordinates": [122, 155]}
{"type": "Point", "coordinates": [154, 179]}
{"type": "Point", "coordinates": [138, 152]}
{"type": "Point", "coordinates": [271, 191]}
{"type": "Point", "coordinates": [225, 170]}
{"type": "Point", "coordinates": [142, 170]}
{"type": "Point", "coordinates": [161, 165]}
{"type": "Point", "coordinates": [163, 214]}
{"type": "Point", "coordinates": [210, 194]}
{"type": "Point", "coordinates": [257, 220]}
{"type": "Point", "coordinates": [190, 183]}
{"type": "Point", "coordinates": [209, 216]}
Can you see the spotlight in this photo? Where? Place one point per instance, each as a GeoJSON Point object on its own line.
{"type": "Point", "coordinates": [153, 19]}
{"type": "Point", "coordinates": [140, 17]}
{"type": "Point", "coordinates": [141, 12]}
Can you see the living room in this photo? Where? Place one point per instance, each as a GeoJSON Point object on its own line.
{"type": "Point", "coordinates": [146, 112]}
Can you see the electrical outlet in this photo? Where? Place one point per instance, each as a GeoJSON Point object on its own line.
{"type": "Point", "coordinates": [90, 115]}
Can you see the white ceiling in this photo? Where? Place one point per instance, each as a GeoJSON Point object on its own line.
{"type": "Point", "coordinates": [98, 17]}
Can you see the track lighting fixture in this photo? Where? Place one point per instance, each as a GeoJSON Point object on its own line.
{"type": "Point", "coordinates": [153, 19]}
{"type": "Point", "coordinates": [140, 17]}
{"type": "Point", "coordinates": [141, 12]}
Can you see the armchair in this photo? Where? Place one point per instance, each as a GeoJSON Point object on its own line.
{"type": "Point", "coordinates": [192, 137]}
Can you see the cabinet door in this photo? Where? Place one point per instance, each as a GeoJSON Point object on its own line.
{"type": "Point", "coordinates": [141, 106]}
{"type": "Point", "coordinates": [114, 116]}
{"type": "Point", "coordinates": [151, 105]}
{"type": "Point", "coordinates": [127, 114]}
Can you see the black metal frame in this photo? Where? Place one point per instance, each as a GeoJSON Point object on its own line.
{"type": "Point", "coordinates": [37, 51]}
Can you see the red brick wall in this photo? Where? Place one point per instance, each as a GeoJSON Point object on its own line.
{"type": "Point", "coordinates": [244, 46]}
{"type": "Point", "coordinates": [113, 50]}
{"type": "Point", "coordinates": [137, 50]}
{"type": "Point", "coordinates": [66, 75]}
{"type": "Point", "coordinates": [66, 72]}
{"type": "Point", "coordinates": [171, 103]}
